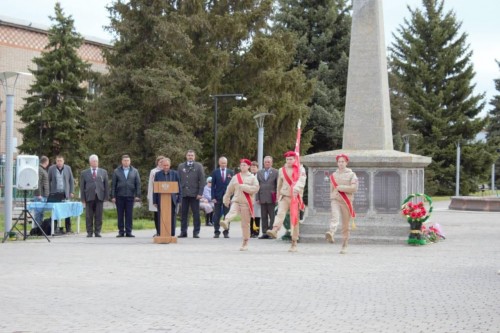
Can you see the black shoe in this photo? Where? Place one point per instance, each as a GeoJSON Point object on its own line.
{"type": "Point", "coordinates": [254, 236]}
{"type": "Point", "coordinates": [98, 235]}
{"type": "Point", "coordinates": [209, 224]}
{"type": "Point", "coordinates": [226, 233]}
{"type": "Point", "coordinates": [216, 235]}
{"type": "Point", "coordinates": [129, 235]}
{"type": "Point", "coordinates": [120, 235]}
{"type": "Point", "coordinates": [264, 236]}
{"type": "Point", "coordinates": [182, 236]}
{"type": "Point", "coordinates": [90, 235]}
{"type": "Point", "coordinates": [196, 236]}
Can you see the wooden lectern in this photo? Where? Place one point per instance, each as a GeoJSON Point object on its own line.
{"type": "Point", "coordinates": [165, 189]}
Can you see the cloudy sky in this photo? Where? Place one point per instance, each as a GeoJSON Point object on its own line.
{"type": "Point", "coordinates": [479, 20]}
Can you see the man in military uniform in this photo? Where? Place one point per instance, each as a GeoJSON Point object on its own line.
{"type": "Point", "coordinates": [285, 190]}
{"type": "Point", "coordinates": [343, 185]}
{"type": "Point", "coordinates": [242, 188]}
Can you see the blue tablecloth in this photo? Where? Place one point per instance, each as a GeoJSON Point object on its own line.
{"type": "Point", "coordinates": [59, 210]}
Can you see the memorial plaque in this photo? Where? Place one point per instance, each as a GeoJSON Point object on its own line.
{"type": "Point", "coordinates": [362, 196]}
{"type": "Point", "coordinates": [386, 191]}
{"type": "Point", "coordinates": [322, 190]}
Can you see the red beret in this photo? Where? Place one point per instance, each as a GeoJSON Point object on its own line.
{"type": "Point", "coordinates": [246, 161]}
{"type": "Point", "coordinates": [342, 155]}
{"type": "Point", "coordinates": [290, 154]}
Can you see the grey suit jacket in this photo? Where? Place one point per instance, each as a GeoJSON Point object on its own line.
{"type": "Point", "coordinates": [69, 181]}
{"type": "Point", "coordinates": [192, 179]}
{"type": "Point", "coordinates": [90, 187]}
{"type": "Point", "coordinates": [43, 183]}
{"type": "Point", "coordinates": [267, 187]}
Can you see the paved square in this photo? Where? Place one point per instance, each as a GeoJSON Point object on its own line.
{"type": "Point", "coordinates": [79, 284]}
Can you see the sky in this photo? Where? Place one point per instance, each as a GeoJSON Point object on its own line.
{"type": "Point", "coordinates": [479, 20]}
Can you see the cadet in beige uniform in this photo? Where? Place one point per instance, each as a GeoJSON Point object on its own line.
{"type": "Point", "coordinates": [285, 198]}
{"type": "Point", "coordinates": [242, 187]}
{"type": "Point", "coordinates": [341, 196]}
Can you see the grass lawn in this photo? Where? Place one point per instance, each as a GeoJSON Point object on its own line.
{"type": "Point", "coordinates": [109, 223]}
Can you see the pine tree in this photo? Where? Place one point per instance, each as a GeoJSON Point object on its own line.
{"type": "Point", "coordinates": [169, 57]}
{"type": "Point", "coordinates": [148, 100]}
{"type": "Point", "coordinates": [431, 60]}
{"type": "Point", "coordinates": [54, 113]}
{"type": "Point", "coordinates": [235, 51]}
{"type": "Point", "coordinates": [323, 30]}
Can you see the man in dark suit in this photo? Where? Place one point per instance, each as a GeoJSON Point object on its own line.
{"type": "Point", "coordinates": [167, 175]}
{"type": "Point", "coordinates": [192, 178]}
{"type": "Point", "coordinates": [94, 189]}
{"type": "Point", "coordinates": [61, 181]}
{"type": "Point", "coordinates": [266, 197]}
{"type": "Point", "coordinates": [125, 189]}
{"type": "Point", "coordinates": [220, 179]}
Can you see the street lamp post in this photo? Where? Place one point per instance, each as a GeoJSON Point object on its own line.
{"type": "Point", "coordinates": [259, 120]}
{"type": "Point", "coordinates": [457, 185]}
{"type": "Point", "coordinates": [406, 139]}
{"type": "Point", "coordinates": [9, 148]}
{"type": "Point", "coordinates": [238, 97]}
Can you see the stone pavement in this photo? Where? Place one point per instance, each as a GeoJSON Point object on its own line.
{"type": "Point", "coordinates": [76, 284]}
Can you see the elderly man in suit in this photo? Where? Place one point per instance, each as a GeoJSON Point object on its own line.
{"type": "Point", "coordinates": [220, 179]}
{"type": "Point", "coordinates": [266, 197]}
{"type": "Point", "coordinates": [61, 181]}
{"type": "Point", "coordinates": [167, 175]}
{"type": "Point", "coordinates": [125, 189]}
{"type": "Point", "coordinates": [192, 178]}
{"type": "Point", "coordinates": [94, 189]}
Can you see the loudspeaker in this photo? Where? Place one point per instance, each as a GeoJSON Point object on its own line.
{"type": "Point", "coordinates": [27, 172]}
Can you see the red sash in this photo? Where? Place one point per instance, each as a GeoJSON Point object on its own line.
{"type": "Point", "coordinates": [247, 196]}
{"type": "Point", "coordinates": [296, 201]}
{"type": "Point", "coordinates": [344, 197]}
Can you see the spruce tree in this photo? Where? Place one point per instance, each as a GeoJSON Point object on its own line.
{"type": "Point", "coordinates": [54, 114]}
{"type": "Point", "coordinates": [169, 57]}
{"type": "Point", "coordinates": [431, 60]}
{"type": "Point", "coordinates": [323, 30]}
{"type": "Point", "coordinates": [148, 103]}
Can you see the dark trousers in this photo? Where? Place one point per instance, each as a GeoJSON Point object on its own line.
{"type": "Point", "coordinates": [219, 210]}
{"type": "Point", "coordinates": [172, 220]}
{"type": "Point", "coordinates": [157, 222]}
{"type": "Point", "coordinates": [267, 216]}
{"type": "Point", "coordinates": [67, 224]}
{"type": "Point", "coordinates": [124, 209]}
{"type": "Point", "coordinates": [93, 215]}
{"type": "Point", "coordinates": [195, 208]}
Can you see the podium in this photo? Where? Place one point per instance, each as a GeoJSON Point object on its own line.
{"type": "Point", "coordinates": [165, 189]}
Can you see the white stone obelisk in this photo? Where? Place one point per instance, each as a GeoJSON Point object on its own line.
{"type": "Point", "coordinates": [385, 176]}
{"type": "Point", "coordinates": [367, 121]}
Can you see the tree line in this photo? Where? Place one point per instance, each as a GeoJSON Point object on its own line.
{"type": "Point", "coordinates": [287, 57]}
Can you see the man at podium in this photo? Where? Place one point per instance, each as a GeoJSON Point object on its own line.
{"type": "Point", "coordinates": [167, 175]}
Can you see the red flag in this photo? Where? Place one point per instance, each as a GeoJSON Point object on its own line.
{"type": "Point", "coordinates": [296, 200]}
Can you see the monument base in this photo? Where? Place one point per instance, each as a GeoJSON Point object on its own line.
{"type": "Point", "coordinates": [480, 204]}
{"type": "Point", "coordinates": [385, 178]}
{"type": "Point", "coordinates": [165, 240]}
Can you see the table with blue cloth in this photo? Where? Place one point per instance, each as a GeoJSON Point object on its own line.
{"type": "Point", "coordinates": [59, 211]}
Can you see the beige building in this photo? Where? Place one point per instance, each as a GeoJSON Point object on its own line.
{"type": "Point", "coordinates": [20, 42]}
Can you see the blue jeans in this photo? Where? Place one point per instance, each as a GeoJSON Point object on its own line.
{"type": "Point", "coordinates": [39, 212]}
